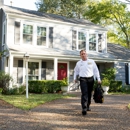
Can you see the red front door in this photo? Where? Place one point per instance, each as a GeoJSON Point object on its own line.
{"type": "Point", "coordinates": [62, 70]}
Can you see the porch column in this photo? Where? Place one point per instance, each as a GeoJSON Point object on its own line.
{"type": "Point", "coordinates": [55, 68]}
{"type": "Point", "coordinates": [11, 67]}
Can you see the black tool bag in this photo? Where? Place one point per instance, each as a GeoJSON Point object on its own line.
{"type": "Point", "coordinates": [98, 94]}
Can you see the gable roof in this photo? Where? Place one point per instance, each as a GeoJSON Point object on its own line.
{"type": "Point", "coordinates": [120, 52]}
{"type": "Point", "coordinates": [33, 13]}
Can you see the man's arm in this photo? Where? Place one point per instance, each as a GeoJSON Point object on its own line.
{"type": "Point", "coordinates": [96, 72]}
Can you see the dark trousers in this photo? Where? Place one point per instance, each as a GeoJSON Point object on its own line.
{"type": "Point", "coordinates": [86, 85]}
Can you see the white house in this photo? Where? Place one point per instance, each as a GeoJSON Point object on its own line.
{"type": "Point", "coordinates": [53, 43]}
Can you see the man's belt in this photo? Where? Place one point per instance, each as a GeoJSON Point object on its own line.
{"type": "Point", "coordinates": [86, 77]}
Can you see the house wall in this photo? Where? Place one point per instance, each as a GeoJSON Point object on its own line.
{"type": "Point", "coordinates": [120, 74]}
{"type": "Point", "coordinates": [62, 37]}
{"type": "Point", "coordinates": [2, 20]}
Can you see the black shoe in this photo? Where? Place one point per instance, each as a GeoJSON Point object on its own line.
{"type": "Point", "coordinates": [88, 108]}
{"type": "Point", "coordinates": [84, 112]}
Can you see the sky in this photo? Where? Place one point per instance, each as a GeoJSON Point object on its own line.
{"type": "Point", "coordinates": [28, 4]}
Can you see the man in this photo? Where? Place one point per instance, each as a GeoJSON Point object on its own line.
{"type": "Point", "coordinates": [87, 70]}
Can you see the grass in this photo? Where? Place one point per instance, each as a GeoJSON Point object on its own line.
{"type": "Point", "coordinates": [129, 106]}
{"type": "Point", "coordinates": [20, 101]}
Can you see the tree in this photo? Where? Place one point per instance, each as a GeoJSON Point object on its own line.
{"type": "Point", "coordinates": [111, 13]}
{"type": "Point", "coordinates": [68, 8]}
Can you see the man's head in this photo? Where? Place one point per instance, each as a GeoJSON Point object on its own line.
{"type": "Point", "coordinates": [83, 55]}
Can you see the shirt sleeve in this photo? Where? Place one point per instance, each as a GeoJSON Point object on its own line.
{"type": "Point", "coordinates": [96, 72]}
{"type": "Point", "coordinates": [76, 71]}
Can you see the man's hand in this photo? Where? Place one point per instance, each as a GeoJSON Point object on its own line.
{"type": "Point", "coordinates": [99, 82]}
{"type": "Point", "coordinates": [75, 81]}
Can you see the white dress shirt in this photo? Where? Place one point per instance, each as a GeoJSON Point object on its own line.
{"type": "Point", "coordinates": [86, 68]}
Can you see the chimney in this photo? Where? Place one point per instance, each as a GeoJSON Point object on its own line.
{"type": "Point", "coordinates": [11, 3]}
{"type": "Point", "coordinates": [1, 2]}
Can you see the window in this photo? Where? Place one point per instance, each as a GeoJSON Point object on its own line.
{"type": "Point", "coordinates": [41, 36]}
{"type": "Point", "coordinates": [92, 42]}
{"type": "Point", "coordinates": [27, 34]}
{"type": "Point", "coordinates": [74, 38]}
{"type": "Point", "coordinates": [33, 70]}
{"type": "Point", "coordinates": [81, 40]}
{"type": "Point", "coordinates": [100, 42]}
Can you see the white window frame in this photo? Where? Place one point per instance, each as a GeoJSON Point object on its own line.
{"type": "Point", "coordinates": [96, 42]}
{"type": "Point", "coordinates": [47, 36]}
{"type": "Point", "coordinates": [34, 35]}
{"type": "Point", "coordinates": [26, 23]}
{"type": "Point", "coordinates": [87, 33]}
{"type": "Point", "coordinates": [24, 68]}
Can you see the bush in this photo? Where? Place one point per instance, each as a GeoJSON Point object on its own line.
{"type": "Point", "coordinates": [109, 74]}
{"type": "Point", "coordinates": [5, 80]}
{"type": "Point", "coordinates": [115, 86]}
{"type": "Point", "coordinates": [14, 90]}
{"type": "Point", "coordinates": [105, 82]}
{"type": "Point", "coordinates": [125, 88]}
{"type": "Point", "coordinates": [44, 86]}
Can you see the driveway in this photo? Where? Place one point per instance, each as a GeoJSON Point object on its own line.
{"type": "Point", "coordinates": [65, 114]}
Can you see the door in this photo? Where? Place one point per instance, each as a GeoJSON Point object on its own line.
{"type": "Point", "coordinates": [62, 70]}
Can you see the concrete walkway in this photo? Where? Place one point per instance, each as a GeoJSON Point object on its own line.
{"type": "Point", "coordinates": [65, 114]}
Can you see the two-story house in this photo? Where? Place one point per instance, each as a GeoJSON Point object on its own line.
{"type": "Point", "coordinates": [53, 43]}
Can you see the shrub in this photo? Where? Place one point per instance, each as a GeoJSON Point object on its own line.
{"type": "Point", "coordinates": [44, 86]}
{"type": "Point", "coordinates": [5, 81]}
{"type": "Point", "coordinates": [105, 82]}
{"type": "Point", "coordinates": [115, 86]}
{"type": "Point", "coordinates": [109, 74]}
{"type": "Point", "coordinates": [15, 90]}
{"type": "Point", "coordinates": [125, 88]}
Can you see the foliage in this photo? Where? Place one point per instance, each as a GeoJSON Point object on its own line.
{"type": "Point", "coordinates": [115, 86]}
{"type": "Point", "coordinates": [20, 101]}
{"type": "Point", "coordinates": [105, 82]}
{"type": "Point", "coordinates": [5, 80]}
{"type": "Point", "coordinates": [113, 15]}
{"type": "Point", "coordinates": [44, 86]}
{"type": "Point", "coordinates": [64, 82]}
{"type": "Point", "coordinates": [129, 106]}
{"type": "Point", "coordinates": [125, 88]}
{"type": "Point", "coordinates": [109, 73]}
{"type": "Point", "coordinates": [15, 90]}
{"type": "Point", "coordinates": [68, 8]}
{"type": "Point", "coordinates": [2, 53]}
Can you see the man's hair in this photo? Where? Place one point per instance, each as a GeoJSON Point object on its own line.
{"type": "Point", "coordinates": [82, 51]}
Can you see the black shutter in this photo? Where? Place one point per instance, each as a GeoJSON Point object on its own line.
{"type": "Point", "coordinates": [74, 38]}
{"type": "Point", "coordinates": [50, 37]}
{"type": "Point", "coordinates": [127, 73]}
{"type": "Point", "coordinates": [17, 33]}
{"type": "Point", "coordinates": [43, 69]}
{"type": "Point", "coordinates": [20, 71]}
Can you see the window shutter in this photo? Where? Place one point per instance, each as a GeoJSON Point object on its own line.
{"type": "Point", "coordinates": [20, 71]}
{"type": "Point", "coordinates": [50, 37]}
{"type": "Point", "coordinates": [43, 69]}
{"type": "Point", "coordinates": [74, 37]}
{"type": "Point", "coordinates": [17, 33]}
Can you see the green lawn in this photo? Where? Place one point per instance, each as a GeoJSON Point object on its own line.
{"type": "Point", "coordinates": [20, 101]}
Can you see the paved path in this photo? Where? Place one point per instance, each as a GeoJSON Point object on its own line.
{"type": "Point", "coordinates": [65, 114]}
